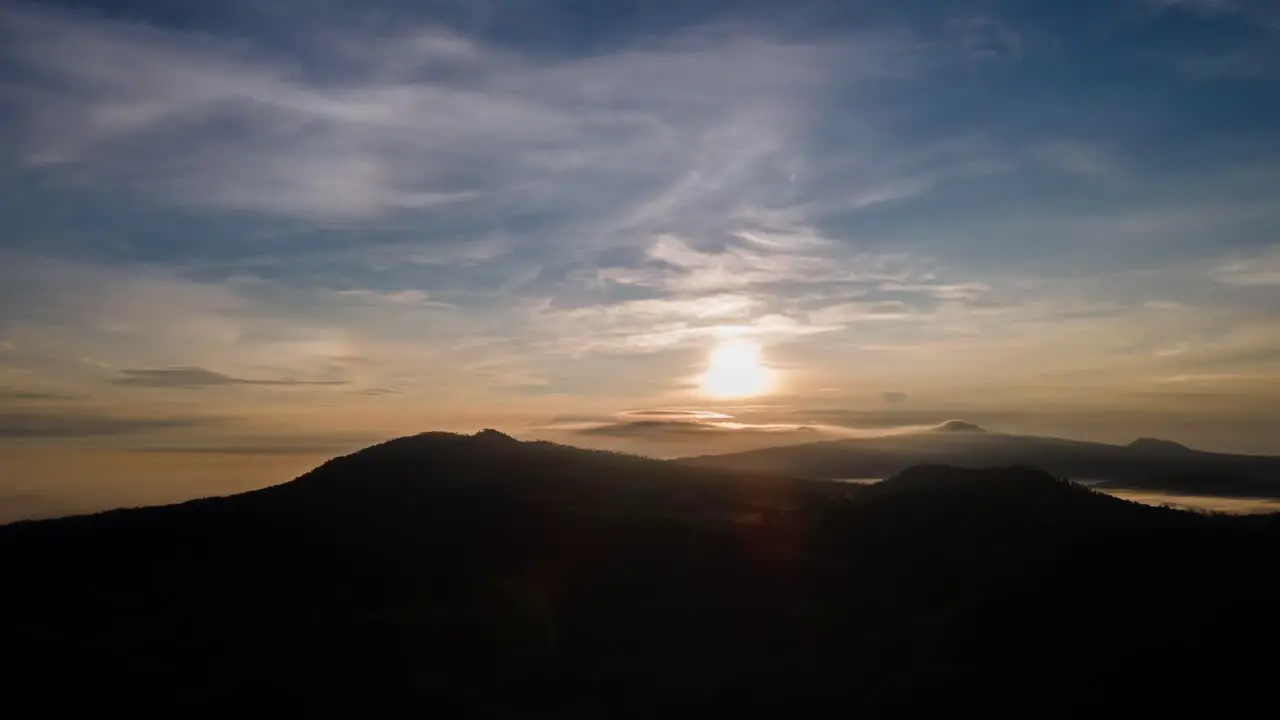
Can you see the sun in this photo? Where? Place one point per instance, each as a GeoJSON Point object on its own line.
{"type": "Point", "coordinates": [734, 371]}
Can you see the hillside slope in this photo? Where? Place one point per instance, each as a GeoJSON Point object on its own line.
{"type": "Point", "coordinates": [479, 574]}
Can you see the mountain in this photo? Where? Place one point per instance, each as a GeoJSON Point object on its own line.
{"type": "Point", "coordinates": [486, 576]}
{"type": "Point", "coordinates": [1153, 446]}
{"type": "Point", "coordinates": [1145, 463]}
{"type": "Point", "coordinates": [960, 426]}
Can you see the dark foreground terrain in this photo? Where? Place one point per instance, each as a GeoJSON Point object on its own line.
{"type": "Point", "coordinates": [479, 575]}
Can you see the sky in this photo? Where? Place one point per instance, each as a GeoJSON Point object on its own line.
{"type": "Point", "coordinates": [238, 238]}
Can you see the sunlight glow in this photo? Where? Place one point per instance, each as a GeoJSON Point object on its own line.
{"type": "Point", "coordinates": [734, 371]}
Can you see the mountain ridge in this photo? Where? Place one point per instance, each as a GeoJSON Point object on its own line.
{"type": "Point", "coordinates": [959, 426]}
{"type": "Point", "coordinates": [1142, 462]}
{"type": "Point", "coordinates": [484, 575]}
{"type": "Point", "coordinates": [1158, 445]}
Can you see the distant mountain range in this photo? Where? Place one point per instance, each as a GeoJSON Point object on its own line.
{"type": "Point", "coordinates": [1145, 463]}
{"type": "Point", "coordinates": [483, 576]}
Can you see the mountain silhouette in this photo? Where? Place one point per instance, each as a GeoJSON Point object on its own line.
{"type": "Point", "coordinates": [482, 575]}
{"type": "Point", "coordinates": [1146, 463]}
{"type": "Point", "coordinates": [489, 435]}
{"type": "Point", "coordinates": [959, 426]}
{"type": "Point", "coordinates": [1154, 446]}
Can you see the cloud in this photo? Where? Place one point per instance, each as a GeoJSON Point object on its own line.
{"type": "Point", "coordinates": [677, 266]}
{"type": "Point", "coordinates": [674, 431]}
{"type": "Point", "coordinates": [1262, 269]}
{"type": "Point", "coordinates": [65, 309]}
{"type": "Point", "coordinates": [681, 432]}
{"type": "Point", "coordinates": [774, 283]}
{"type": "Point", "coordinates": [846, 313]}
{"type": "Point", "coordinates": [127, 98]}
{"type": "Point", "coordinates": [77, 320]}
{"type": "Point", "coordinates": [407, 127]}
{"type": "Point", "coordinates": [877, 422]}
{"type": "Point", "coordinates": [407, 298]}
{"type": "Point", "coordinates": [17, 394]}
{"type": "Point", "coordinates": [1074, 157]}
{"type": "Point", "coordinates": [688, 429]}
{"type": "Point", "coordinates": [896, 398]}
{"type": "Point", "coordinates": [676, 414]}
{"type": "Point", "coordinates": [268, 444]}
{"type": "Point", "coordinates": [84, 424]}
{"type": "Point", "coordinates": [892, 191]}
{"type": "Point", "coordinates": [654, 325]}
{"type": "Point", "coordinates": [196, 377]}
{"type": "Point", "coordinates": [765, 420]}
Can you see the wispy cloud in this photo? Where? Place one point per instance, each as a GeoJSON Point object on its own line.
{"type": "Point", "coordinates": [144, 105]}
{"type": "Point", "coordinates": [1262, 269]}
{"type": "Point", "coordinates": [1076, 158]}
{"type": "Point", "coordinates": [319, 443]}
{"type": "Point", "coordinates": [847, 313]}
{"type": "Point", "coordinates": [197, 377]}
{"type": "Point", "coordinates": [654, 429]}
{"type": "Point", "coordinates": [86, 424]}
{"type": "Point", "coordinates": [416, 298]}
{"type": "Point", "coordinates": [675, 414]}
{"type": "Point", "coordinates": [19, 394]}
{"type": "Point", "coordinates": [674, 433]}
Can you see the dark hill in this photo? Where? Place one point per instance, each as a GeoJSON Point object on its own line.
{"type": "Point", "coordinates": [958, 426]}
{"type": "Point", "coordinates": [998, 504]}
{"type": "Point", "coordinates": [1154, 446]}
{"type": "Point", "coordinates": [943, 480]}
{"type": "Point", "coordinates": [481, 575]}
